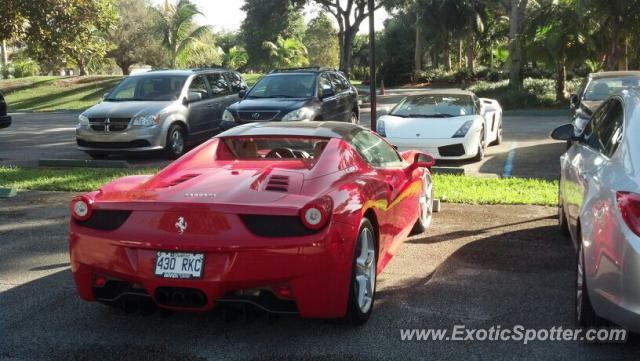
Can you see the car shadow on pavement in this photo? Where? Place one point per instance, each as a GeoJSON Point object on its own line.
{"type": "Point", "coordinates": [522, 277]}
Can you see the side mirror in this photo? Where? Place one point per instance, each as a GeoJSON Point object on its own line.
{"type": "Point", "coordinates": [423, 160]}
{"type": "Point", "coordinates": [564, 132]}
{"type": "Point", "coordinates": [574, 99]}
{"type": "Point", "coordinates": [328, 93]}
{"type": "Point", "coordinates": [242, 93]}
{"type": "Point", "coordinates": [194, 97]}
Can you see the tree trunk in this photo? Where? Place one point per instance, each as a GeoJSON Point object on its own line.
{"type": "Point", "coordinates": [460, 60]}
{"type": "Point", "coordinates": [82, 66]}
{"type": "Point", "coordinates": [447, 55]}
{"type": "Point", "coordinates": [346, 51]}
{"type": "Point", "coordinates": [471, 56]}
{"type": "Point", "coordinates": [126, 68]}
{"type": "Point", "coordinates": [561, 79]}
{"type": "Point", "coordinates": [516, 14]}
{"type": "Point", "coordinates": [3, 50]}
{"type": "Point", "coordinates": [419, 50]}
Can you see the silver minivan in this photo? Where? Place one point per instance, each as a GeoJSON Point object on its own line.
{"type": "Point", "coordinates": [159, 110]}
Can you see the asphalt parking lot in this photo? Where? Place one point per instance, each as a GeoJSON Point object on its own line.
{"type": "Point", "coordinates": [34, 136]}
{"type": "Point", "coordinates": [478, 266]}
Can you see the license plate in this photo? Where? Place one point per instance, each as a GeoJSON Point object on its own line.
{"type": "Point", "coordinates": [179, 265]}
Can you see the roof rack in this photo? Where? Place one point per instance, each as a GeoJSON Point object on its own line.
{"type": "Point", "coordinates": [308, 68]}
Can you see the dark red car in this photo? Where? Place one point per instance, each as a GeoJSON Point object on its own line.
{"type": "Point", "coordinates": [293, 217]}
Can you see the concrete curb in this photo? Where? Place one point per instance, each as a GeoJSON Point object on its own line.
{"type": "Point", "coordinates": [82, 163]}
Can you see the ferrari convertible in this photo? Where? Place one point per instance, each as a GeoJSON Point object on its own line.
{"type": "Point", "coordinates": [290, 217]}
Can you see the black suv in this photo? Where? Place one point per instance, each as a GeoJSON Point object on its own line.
{"type": "Point", "coordinates": [300, 94]}
{"type": "Point", "coordinates": [5, 120]}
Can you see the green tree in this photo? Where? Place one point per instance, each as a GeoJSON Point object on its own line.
{"type": "Point", "coordinates": [350, 14]}
{"type": "Point", "coordinates": [559, 39]}
{"type": "Point", "coordinates": [134, 37]}
{"type": "Point", "coordinates": [265, 21]}
{"type": "Point", "coordinates": [235, 58]}
{"type": "Point", "coordinates": [178, 28]}
{"type": "Point", "coordinates": [321, 40]}
{"type": "Point", "coordinates": [201, 53]}
{"type": "Point", "coordinates": [286, 53]}
{"type": "Point", "coordinates": [71, 30]}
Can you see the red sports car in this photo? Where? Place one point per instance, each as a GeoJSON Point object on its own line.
{"type": "Point", "coordinates": [295, 217]}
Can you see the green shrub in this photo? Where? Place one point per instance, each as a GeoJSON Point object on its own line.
{"type": "Point", "coordinates": [23, 68]}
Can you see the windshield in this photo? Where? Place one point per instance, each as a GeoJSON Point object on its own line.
{"type": "Point", "coordinates": [148, 88]}
{"type": "Point", "coordinates": [275, 147]}
{"type": "Point", "coordinates": [285, 86]}
{"type": "Point", "coordinates": [434, 106]}
{"type": "Point", "coordinates": [601, 89]}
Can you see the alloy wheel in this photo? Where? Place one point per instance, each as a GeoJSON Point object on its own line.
{"type": "Point", "coordinates": [365, 270]}
{"type": "Point", "coordinates": [177, 142]}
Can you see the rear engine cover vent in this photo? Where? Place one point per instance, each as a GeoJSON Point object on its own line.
{"type": "Point", "coordinates": [278, 183]}
{"type": "Point", "coordinates": [181, 179]}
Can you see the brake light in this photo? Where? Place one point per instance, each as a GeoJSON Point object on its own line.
{"type": "Point", "coordinates": [316, 214]}
{"type": "Point", "coordinates": [81, 208]}
{"type": "Point", "coordinates": [629, 205]}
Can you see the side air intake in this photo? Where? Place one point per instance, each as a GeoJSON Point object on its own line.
{"type": "Point", "coordinates": [278, 183]}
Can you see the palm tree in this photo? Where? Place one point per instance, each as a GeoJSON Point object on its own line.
{"type": "Point", "coordinates": [287, 53]}
{"type": "Point", "coordinates": [236, 58]}
{"type": "Point", "coordinates": [560, 38]}
{"type": "Point", "coordinates": [178, 28]}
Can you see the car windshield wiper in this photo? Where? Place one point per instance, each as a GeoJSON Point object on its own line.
{"type": "Point", "coordinates": [436, 115]}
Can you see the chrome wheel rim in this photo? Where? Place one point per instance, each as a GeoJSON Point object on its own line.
{"type": "Point", "coordinates": [365, 270]}
{"type": "Point", "coordinates": [579, 286]}
{"type": "Point", "coordinates": [177, 142]}
{"type": "Point", "coordinates": [426, 204]}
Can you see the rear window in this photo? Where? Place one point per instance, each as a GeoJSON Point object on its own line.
{"type": "Point", "coordinates": [274, 148]}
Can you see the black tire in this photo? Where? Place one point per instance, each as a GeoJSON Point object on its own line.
{"type": "Point", "coordinates": [423, 223]}
{"type": "Point", "coordinates": [498, 140]}
{"type": "Point", "coordinates": [173, 149]}
{"type": "Point", "coordinates": [354, 118]}
{"type": "Point", "coordinates": [585, 315]}
{"type": "Point", "coordinates": [95, 155]}
{"type": "Point", "coordinates": [481, 147]}
{"type": "Point", "coordinates": [355, 314]}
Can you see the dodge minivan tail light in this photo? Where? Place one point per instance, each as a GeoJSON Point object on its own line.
{"type": "Point", "coordinates": [81, 208]}
{"type": "Point", "coordinates": [629, 205]}
{"type": "Point", "coordinates": [316, 214]}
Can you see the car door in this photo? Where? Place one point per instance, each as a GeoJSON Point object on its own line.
{"type": "Point", "coordinates": [330, 104]}
{"type": "Point", "coordinates": [221, 96]}
{"type": "Point", "coordinates": [402, 198]}
{"type": "Point", "coordinates": [198, 114]}
{"type": "Point", "coordinates": [585, 161]}
{"type": "Point", "coordinates": [342, 95]}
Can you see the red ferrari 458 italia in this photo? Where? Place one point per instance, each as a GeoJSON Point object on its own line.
{"type": "Point", "coordinates": [291, 217]}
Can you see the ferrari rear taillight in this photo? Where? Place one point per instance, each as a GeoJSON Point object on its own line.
{"type": "Point", "coordinates": [629, 205]}
{"type": "Point", "coordinates": [316, 214]}
{"type": "Point", "coordinates": [81, 208]}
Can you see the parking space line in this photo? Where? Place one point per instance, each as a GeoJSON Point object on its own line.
{"type": "Point", "coordinates": [508, 164]}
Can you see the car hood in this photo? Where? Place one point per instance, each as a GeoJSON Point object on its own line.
{"type": "Point", "coordinates": [423, 128]}
{"type": "Point", "coordinates": [230, 187]}
{"type": "Point", "coordinates": [270, 104]}
{"type": "Point", "coordinates": [126, 109]}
